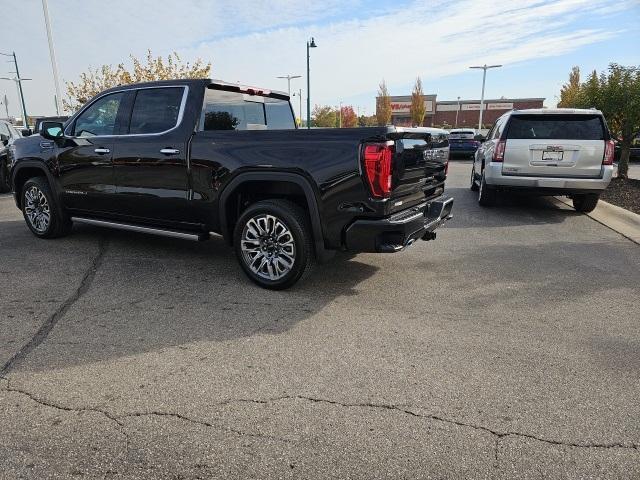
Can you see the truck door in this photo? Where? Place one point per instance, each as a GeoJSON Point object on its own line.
{"type": "Point", "coordinates": [85, 158]}
{"type": "Point", "coordinates": [150, 158]}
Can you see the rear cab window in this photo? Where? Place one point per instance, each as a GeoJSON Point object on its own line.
{"type": "Point", "coordinates": [556, 127]}
{"type": "Point", "coordinates": [225, 110]}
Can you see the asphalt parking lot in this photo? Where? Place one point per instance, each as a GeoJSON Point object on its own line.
{"type": "Point", "coordinates": [508, 348]}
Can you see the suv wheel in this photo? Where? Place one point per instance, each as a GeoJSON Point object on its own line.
{"type": "Point", "coordinates": [585, 203]}
{"type": "Point", "coordinates": [4, 177]}
{"type": "Point", "coordinates": [41, 212]}
{"type": "Point", "coordinates": [486, 194]}
{"type": "Point", "coordinates": [273, 243]}
{"type": "Point", "coordinates": [474, 184]}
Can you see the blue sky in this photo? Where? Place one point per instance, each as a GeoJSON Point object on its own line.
{"type": "Point", "coordinates": [359, 43]}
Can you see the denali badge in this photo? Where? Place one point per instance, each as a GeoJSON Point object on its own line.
{"type": "Point", "coordinates": [74, 192]}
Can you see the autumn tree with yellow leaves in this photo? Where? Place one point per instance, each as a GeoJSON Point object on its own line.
{"type": "Point", "coordinates": [154, 68]}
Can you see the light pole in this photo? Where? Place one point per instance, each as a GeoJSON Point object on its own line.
{"type": "Point", "coordinates": [299, 94]}
{"type": "Point", "coordinates": [52, 54]}
{"type": "Point", "coordinates": [484, 67]}
{"type": "Point", "coordinates": [5, 102]}
{"type": "Point", "coordinates": [289, 78]}
{"type": "Point", "coordinates": [457, 111]}
{"type": "Point", "coordinates": [310, 44]}
{"type": "Point", "coordinates": [18, 80]}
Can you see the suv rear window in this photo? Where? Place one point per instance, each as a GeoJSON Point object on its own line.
{"type": "Point", "coordinates": [556, 127]}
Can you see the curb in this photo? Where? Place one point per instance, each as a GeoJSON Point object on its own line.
{"type": "Point", "coordinates": [618, 219]}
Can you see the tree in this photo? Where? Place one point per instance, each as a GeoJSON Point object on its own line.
{"type": "Point", "coordinates": [323, 116]}
{"type": "Point", "coordinates": [156, 68]}
{"type": "Point", "coordinates": [570, 90]}
{"type": "Point", "coordinates": [367, 121]}
{"type": "Point", "coordinates": [417, 109]}
{"type": "Point", "coordinates": [383, 105]}
{"type": "Point", "coordinates": [348, 117]}
{"type": "Point", "coordinates": [617, 94]}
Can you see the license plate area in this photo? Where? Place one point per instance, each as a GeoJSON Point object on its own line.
{"type": "Point", "coordinates": [552, 156]}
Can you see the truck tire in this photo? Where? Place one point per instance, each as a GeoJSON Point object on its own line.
{"type": "Point", "coordinates": [585, 203]}
{"type": "Point", "coordinates": [273, 243]}
{"type": "Point", "coordinates": [4, 176]}
{"type": "Point", "coordinates": [474, 185]}
{"type": "Point", "coordinates": [486, 194]}
{"type": "Point", "coordinates": [41, 211]}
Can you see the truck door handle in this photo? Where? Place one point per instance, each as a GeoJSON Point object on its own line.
{"type": "Point", "coordinates": [170, 151]}
{"type": "Point", "coordinates": [102, 151]}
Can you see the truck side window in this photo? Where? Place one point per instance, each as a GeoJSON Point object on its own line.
{"type": "Point", "coordinates": [155, 110]}
{"type": "Point", "coordinates": [237, 111]}
{"type": "Point", "coordinates": [100, 117]}
{"type": "Point", "coordinates": [279, 115]}
{"type": "Point", "coordinates": [231, 111]}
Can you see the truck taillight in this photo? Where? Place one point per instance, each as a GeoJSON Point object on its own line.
{"type": "Point", "coordinates": [498, 152]}
{"type": "Point", "coordinates": [609, 152]}
{"type": "Point", "coordinates": [377, 168]}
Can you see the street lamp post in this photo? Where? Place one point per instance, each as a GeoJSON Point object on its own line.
{"type": "Point", "coordinates": [18, 80]}
{"type": "Point", "coordinates": [289, 78]}
{"type": "Point", "coordinates": [484, 67]}
{"type": "Point", "coordinates": [310, 44]}
{"type": "Point", "coordinates": [299, 94]}
{"type": "Point", "coordinates": [52, 54]}
{"type": "Point", "coordinates": [457, 111]}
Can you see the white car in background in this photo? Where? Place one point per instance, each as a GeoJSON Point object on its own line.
{"type": "Point", "coordinates": [546, 152]}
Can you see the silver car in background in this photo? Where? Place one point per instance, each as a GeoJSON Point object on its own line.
{"type": "Point", "coordinates": [546, 152]}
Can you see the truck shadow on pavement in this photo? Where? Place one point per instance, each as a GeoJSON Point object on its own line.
{"type": "Point", "coordinates": [151, 293]}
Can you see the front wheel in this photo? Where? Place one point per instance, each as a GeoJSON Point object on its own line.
{"type": "Point", "coordinates": [585, 203]}
{"type": "Point", "coordinates": [273, 243]}
{"type": "Point", "coordinates": [474, 185]}
{"type": "Point", "coordinates": [486, 194]}
{"type": "Point", "coordinates": [40, 210]}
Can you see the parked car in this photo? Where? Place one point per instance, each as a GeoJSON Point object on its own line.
{"type": "Point", "coordinates": [8, 135]}
{"type": "Point", "coordinates": [546, 152]}
{"type": "Point", "coordinates": [463, 142]}
{"type": "Point", "coordinates": [184, 158]}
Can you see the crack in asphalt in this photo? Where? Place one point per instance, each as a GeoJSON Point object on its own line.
{"type": "Point", "coordinates": [379, 406]}
{"type": "Point", "coordinates": [122, 426]}
{"type": "Point", "coordinates": [50, 323]}
{"type": "Point", "coordinates": [498, 434]}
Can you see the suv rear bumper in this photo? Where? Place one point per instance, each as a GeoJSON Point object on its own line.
{"type": "Point", "coordinates": [395, 233]}
{"type": "Point", "coordinates": [553, 185]}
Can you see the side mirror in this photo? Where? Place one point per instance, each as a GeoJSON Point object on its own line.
{"type": "Point", "coordinates": [25, 132]}
{"type": "Point", "coordinates": [51, 130]}
{"type": "Point", "coordinates": [480, 138]}
{"type": "Point", "coordinates": [4, 139]}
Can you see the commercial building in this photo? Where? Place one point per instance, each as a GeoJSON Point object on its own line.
{"type": "Point", "coordinates": [444, 113]}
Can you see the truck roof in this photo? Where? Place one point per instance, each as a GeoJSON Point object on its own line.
{"type": "Point", "coordinates": [558, 111]}
{"type": "Point", "coordinates": [204, 82]}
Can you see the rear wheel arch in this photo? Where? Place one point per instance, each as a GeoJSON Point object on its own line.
{"type": "Point", "coordinates": [251, 187]}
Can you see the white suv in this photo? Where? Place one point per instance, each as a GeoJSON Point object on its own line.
{"type": "Point", "coordinates": [546, 152]}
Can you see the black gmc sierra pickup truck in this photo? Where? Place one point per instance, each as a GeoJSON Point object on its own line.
{"type": "Point", "coordinates": [187, 158]}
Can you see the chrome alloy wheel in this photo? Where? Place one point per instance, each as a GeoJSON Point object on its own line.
{"type": "Point", "coordinates": [37, 210]}
{"type": "Point", "coordinates": [268, 247]}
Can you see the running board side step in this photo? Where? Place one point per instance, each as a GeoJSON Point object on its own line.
{"type": "Point", "coordinates": [197, 237]}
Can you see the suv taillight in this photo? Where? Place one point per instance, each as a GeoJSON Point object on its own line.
{"type": "Point", "coordinates": [498, 152]}
{"type": "Point", "coordinates": [377, 168]}
{"type": "Point", "coordinates": [609, 152]}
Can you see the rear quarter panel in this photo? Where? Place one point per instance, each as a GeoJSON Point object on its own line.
{"type": "Point", "coordinates": [326, 158]}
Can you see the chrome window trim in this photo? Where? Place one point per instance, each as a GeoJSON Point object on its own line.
{"type": "Point", "coordinates": [183, 103]}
